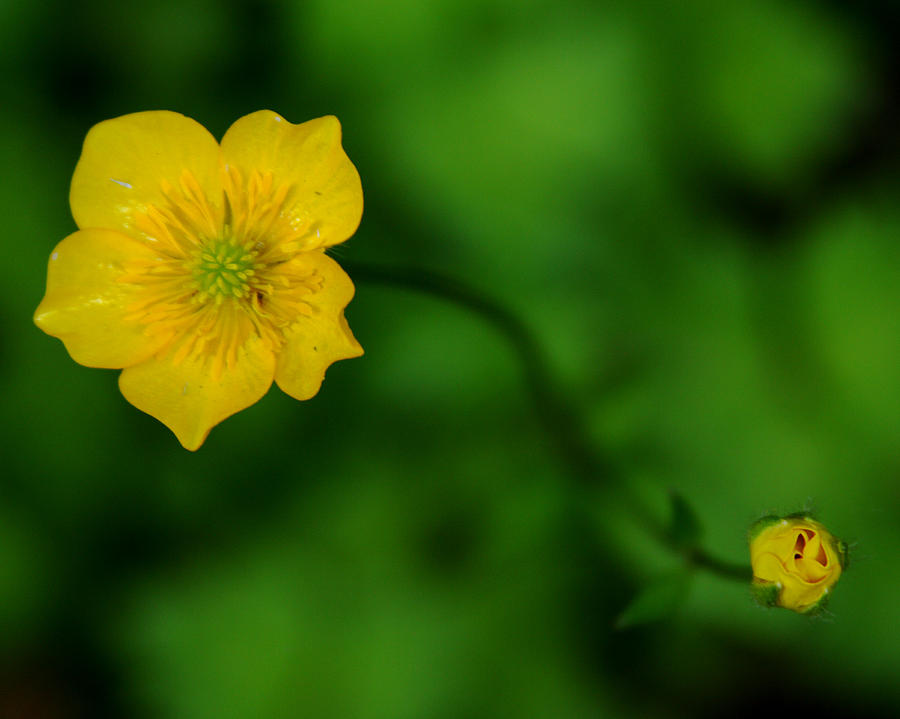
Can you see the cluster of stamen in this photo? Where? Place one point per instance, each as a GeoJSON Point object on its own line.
{"type": "Point", "coordinates": [224, 268]}
{"type": "Point", "coordinates": [223, 273]}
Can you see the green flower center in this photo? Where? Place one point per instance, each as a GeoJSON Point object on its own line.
{"type": "Point", "coordinates": [224, 268]}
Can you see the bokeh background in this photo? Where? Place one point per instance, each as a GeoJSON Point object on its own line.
{"type": "Point", "coordinates": [693, 207]}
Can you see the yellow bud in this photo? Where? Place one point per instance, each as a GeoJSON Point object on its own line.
{"type": "Point", "coordinates": [796, 562]}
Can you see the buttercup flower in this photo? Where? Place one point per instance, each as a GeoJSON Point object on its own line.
{"type": "Point", "coordinates": [199, 268]}
{"type": "Point", "coordinates": [796, 562]}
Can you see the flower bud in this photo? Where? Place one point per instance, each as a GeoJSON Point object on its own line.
{"type": "Point", "coordinates": [796, 562]}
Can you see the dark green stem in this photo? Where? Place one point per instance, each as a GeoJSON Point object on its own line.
{"type": "Point", "coordinates": [560, 423]}
{"type": "Point", "coordinates": [729, 570]}
{"type": "Point", "coordinates": [557, 419]}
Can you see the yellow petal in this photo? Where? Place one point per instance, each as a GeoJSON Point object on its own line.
{"type": "Point", "coordinates": [833, 559]}
{"type": "Point", "coordinates": [326, 199]}
{"type": "Point", "coordinates": [85, 305]}
{"type": "Point", "coordinates": [185, 397]}
{"type": "Point", "coordinates": [125, 162]}
{"type": "Point", "coordinates": [768, 567]}
{"type": "Point", "coordinates": [800, 596]}
{"type": "Point", "coordinates": [783, 542]}
{"type": "Point", "coordinates": [810, 570]}
{"type": "Point", "coordinates": [315, 341]}
{"type": "Point", "coordinates": [815, 551]}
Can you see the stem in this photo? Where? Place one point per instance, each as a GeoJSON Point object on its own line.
{"type": "Point", "coordinates": [727, 570]}
{"type": "Point", "coordinates": [554, 414]}
{"type": "Point", "coordinates": [557, 418]}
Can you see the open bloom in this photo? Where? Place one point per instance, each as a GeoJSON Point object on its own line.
{"type": "Point", "coordinates": [796, 562]}
{"type": "Point", "coordinates": [199, 268]}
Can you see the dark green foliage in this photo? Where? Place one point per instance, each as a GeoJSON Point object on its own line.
{"type": "Point", "coordinates": [656, 601]}
{"type": "Point", "coordinates": [692, 206]}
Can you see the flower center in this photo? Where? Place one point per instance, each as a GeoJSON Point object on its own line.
{"type": "Point", "coordinates": [224, 274]}
{"type": "Point", "coordinates": [223, 268]}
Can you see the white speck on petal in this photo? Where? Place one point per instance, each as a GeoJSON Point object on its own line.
{"type": "Point", "coordinates": [121, 182]}
{"type": "Point", "coordinates": [54, 255]}
{"type": "Point", "coordinates": [318, 234]}
{"type": "Point", "coordinates": [184, 389]}
{"type": "Point", "coordinates": [278, 118]}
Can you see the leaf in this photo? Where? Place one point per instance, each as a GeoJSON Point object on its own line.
{"type": "Point", "coordinates": [656, 601]}
{"type": "Point", "coordinates": [684, 529]}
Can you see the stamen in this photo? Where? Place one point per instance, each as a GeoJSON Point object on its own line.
{"type": "Point", "coordinates": [223, 270]}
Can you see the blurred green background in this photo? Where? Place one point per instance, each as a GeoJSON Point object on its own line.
{"type": "Point", "coordinates": [692, 204]}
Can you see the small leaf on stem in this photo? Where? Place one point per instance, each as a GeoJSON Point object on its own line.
{"type": "Point", "coordinates": [684, 530]}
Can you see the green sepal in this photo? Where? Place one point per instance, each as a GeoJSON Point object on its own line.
{"type": "Point", "coordinates": [762, 523]}
{"type": "Point", "coordinates": [766, 594]}
{"type": "Point", "coordinates": [820, 608]}
{"type": "Point", "coordinates": [843, 552]}
{"type": "Point", "coordinates": [656, 601]}
{"type": "Point", "coordinates": [801, 515]}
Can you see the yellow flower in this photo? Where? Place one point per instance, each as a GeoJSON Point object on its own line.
{"type": "Point", "coordinates": [796, 562]}
{"type": "Point", "coordinates": [199, 269]}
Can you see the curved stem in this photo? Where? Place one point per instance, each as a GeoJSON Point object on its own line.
{"type": "Point", "coordinates": [728, 570]}
{"type": "Point", "coordinates": [554, 414]}
{"type": "Point", "coordinates": [557, 418]}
